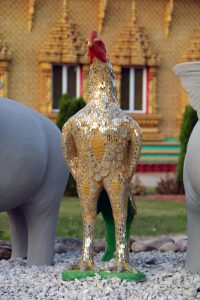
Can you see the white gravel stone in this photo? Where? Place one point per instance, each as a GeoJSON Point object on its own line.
{"type": "Point", "coordinates": [138, 247]}
{"type": "Point", "coordinates": [166, 278]}
{"type": "Point", "coordinates": [170, 246]}
{"type": "Point", "coordinates": [181, 245]}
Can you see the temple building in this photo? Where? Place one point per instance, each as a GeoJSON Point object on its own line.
{"type": "Point", "coordinates": [43, 55]}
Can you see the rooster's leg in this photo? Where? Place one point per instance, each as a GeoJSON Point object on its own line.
{"type": "Point", "coordinates": [117, 190]}
{"type": "Point", "coordinates": [88, 191]}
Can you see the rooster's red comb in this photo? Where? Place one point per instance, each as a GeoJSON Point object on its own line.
{"type": "Point", "coordinates": [96, 47]}
{"type": "Point", "coordinates": [92, 36]}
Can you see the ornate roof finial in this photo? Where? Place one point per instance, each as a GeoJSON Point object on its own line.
{"type": "Point", "coordinates": [31, 11]}
{"type": "Point", "coordinates": [168, 17]}
{"type": "Point", "coordinates": [101, 13]}
{"type": "Point", "coordinates": [65, 9]}
{"type": "Point", "coordinates": [133, 13]}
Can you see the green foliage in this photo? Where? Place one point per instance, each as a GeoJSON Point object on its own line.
{"type": "Point", "coordinates": [159, 217]}
{"type": "Point", "coordinates": [71, 189]}
{"type": "Point", "coordinates": [67, 108]}
{"type": "Point", "coordinates": [154, 218]}
{"type": "Point", "coordinates": [4, 226]}
{"type": "Point", "coordinates": [189, 120]}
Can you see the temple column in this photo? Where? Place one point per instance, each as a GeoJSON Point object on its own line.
{"type": "Point", "coordinates": [45, 93]}
{"type": "Point", "coordinates": [117, 71]}
{"type": "Point", "coordinates": [152, 107]}
{"type": "Point", "coordinates": [4, 78]}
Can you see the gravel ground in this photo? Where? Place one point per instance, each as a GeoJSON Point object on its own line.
{"type": "Point", "coordinates": [166, 278]}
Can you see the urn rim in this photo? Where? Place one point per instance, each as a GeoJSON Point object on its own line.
{"type": "Point", "coordinates": [187, 67]}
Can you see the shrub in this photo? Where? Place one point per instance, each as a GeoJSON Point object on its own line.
{"type": "Point", "coordinates": [189, 120]}
{"type": "Point", "coordinates": [67, 108]}
{"type": "Point", "coordinates": [167, 185]}
{"type": "Point", "coordinates": [136, 187]}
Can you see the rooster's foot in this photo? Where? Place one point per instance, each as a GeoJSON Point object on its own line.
{"type": "Point", "coordinates": [83, 265]}
{"type": "Point", "coordinates": [124, 267]}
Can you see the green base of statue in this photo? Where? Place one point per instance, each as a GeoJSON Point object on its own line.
{"type": "Point", "coordinates": [76, 274]}
{"type": "Point", "coordinates": [104, 207]}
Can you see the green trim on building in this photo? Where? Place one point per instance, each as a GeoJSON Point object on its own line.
{"type": "Point", "coordinates": [161, 152]}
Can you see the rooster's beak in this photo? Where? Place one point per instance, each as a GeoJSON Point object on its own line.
{"type": "Point", "coordinates": [89, 44]}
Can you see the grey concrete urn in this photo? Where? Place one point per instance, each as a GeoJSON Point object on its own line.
{"type": "Point", "coordinates": [189, 75]}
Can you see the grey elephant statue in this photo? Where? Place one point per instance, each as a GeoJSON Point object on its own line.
{"type": "Point", "coordinates": [33, 176]}
{"type": "Point", "coordinates": [189, 74]}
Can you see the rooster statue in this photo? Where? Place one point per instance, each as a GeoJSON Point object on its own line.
{"type": "Point", "coordinates": [102, 146]}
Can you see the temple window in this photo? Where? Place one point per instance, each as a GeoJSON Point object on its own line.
{"type": "Point", "coordinates": [66, 80]}
{"type": "Point", "coordinates": [133, 89]}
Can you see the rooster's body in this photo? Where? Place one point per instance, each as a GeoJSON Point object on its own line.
{"type": "Point", "coordinates": [102, 147]}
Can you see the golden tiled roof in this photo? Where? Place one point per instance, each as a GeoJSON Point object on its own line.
{"type": "Point", "coordinates": [132, 47]}
{"type": "Point", "coordinates": [64, 44]}
{"type": "Point", "coordinates": [192, 51]}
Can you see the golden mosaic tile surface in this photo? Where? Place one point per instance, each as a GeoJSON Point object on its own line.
{"type": "Point", "coordinates": [102, 147]}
